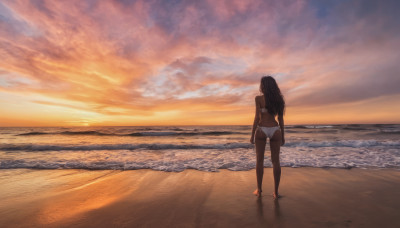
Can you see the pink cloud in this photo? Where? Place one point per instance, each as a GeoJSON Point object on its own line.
{"type": "Point", "coordinates": [144, 56]}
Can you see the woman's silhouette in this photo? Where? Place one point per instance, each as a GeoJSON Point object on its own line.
{"type": "Point", "coordinates": [268, 106]}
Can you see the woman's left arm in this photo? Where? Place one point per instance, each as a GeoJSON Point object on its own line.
{"type": "Point", "coordinates": [256, 120]}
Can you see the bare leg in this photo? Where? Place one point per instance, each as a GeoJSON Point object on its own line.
{"type": "Point", "coordinates": [260, 141]}
{"type": "Point", "coordinates": [275, 145]}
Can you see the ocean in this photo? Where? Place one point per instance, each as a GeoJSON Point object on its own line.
{"type": "Point", "coordinates": [205, 148]}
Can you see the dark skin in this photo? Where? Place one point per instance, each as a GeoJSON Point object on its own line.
{"type": "Point", "coordinates": [260, 139]}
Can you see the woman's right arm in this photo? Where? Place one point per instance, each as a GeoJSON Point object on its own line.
{"type": "Point", "coordinates": [282, 125]}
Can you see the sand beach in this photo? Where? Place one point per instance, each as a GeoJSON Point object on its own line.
{"type": "Point", "coordinates": [311, 197]}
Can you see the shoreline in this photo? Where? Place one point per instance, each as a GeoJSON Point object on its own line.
{"type": "Point", "coordinates": [311, 197]}
{"type": "Point", "coordinates": [219, 170]}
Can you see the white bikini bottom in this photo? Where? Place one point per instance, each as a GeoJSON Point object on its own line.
{"type": "Point", "coordinates": [269, 131]}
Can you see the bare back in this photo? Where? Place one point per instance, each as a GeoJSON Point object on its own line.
{"type": "Point", "coordinates": [266, 119]}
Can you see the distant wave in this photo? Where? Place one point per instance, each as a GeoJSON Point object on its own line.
{"type": "Point", "coordinates": [297, 126]}
{"type": "Point", "coordinates": [166, 133]}
{"type": "Point", "coordinates": [176, 132]}
{"type": "Point", "coordinates": [316, 131]}
{"type": "Point", "coordinates": [345, 143]}
{"type": "Point", "coordinates": [309, 126]}
{"type": "Point", "coordinates": [64, 133]}
{"type": "Point", "coordinates": [390, 131]}
{"type": "Point", "coordinates": [151, 146]}
{"type": "Point", "coordinates": [158, 129]}
{"type": "Point", "coordinates": [154, 146]}
{"type": "Point", "coordinates": [33, 133]}
{"type": "Point", "coordinates": [356, 128]}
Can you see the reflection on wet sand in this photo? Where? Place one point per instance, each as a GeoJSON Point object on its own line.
{"type": "Point", "coordinates": [70, 203]}
{"type": "Point", "coordinates": [262, 218]}
{"type": "Point", "coordinates": [260, 211]}
{"type": "Point", "coordinates": [277, 211]}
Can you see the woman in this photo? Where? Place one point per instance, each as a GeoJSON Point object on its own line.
{"type": "Point", "coordinates": [268, 106]}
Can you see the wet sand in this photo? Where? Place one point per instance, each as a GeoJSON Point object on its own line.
{"type": "Point", "coordinates": [311, 197]}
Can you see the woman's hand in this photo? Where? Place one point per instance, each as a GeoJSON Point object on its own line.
{"type": "Point", "coordinates": [252, 140]}
{"type": "Point", "coordinates": [283, 141]}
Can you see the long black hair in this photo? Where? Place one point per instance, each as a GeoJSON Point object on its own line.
{"type": "Point", "coordinates": [273, 97]}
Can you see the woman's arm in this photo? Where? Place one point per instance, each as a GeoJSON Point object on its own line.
{"type": "Point", "coordinates": [282, 125]}
{"type": "Point", "coordinates": [256, 120]}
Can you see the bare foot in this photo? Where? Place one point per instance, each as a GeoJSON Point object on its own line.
{"type": "Point", "coordinates": [257, 192]}
{"type": "Point", "coordinates": [276, 196]}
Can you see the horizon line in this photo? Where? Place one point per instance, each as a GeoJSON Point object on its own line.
{"type": "Point", "coordinates": [206, 125]}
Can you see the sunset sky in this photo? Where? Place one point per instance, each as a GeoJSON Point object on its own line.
{"type": "Point", "coordinates": [88, 63]}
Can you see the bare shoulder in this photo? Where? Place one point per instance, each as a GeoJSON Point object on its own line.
{"type": "Point", "coordinates": [259, 98]}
